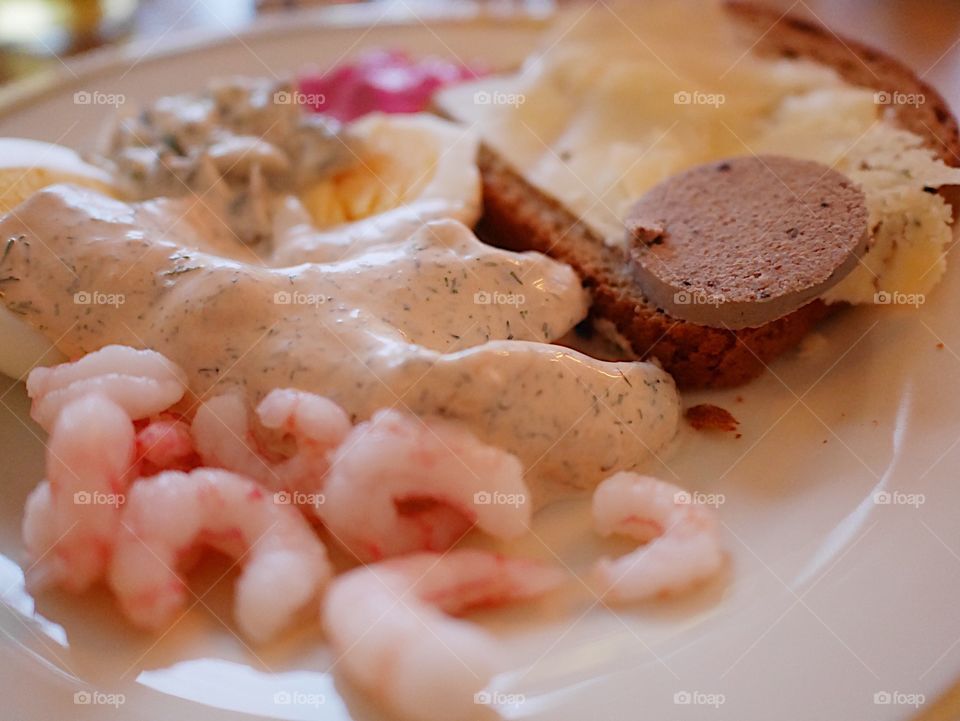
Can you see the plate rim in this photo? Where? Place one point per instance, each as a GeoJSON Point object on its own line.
{"type": "Point", "coordinates": [72, 71]}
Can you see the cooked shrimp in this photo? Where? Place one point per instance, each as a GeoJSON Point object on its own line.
{"type": "Point", "coordinates": [387, 624]}
{"type": "Point", "coordinates": [225, 438]}
{"type": "Point", "coordinates": [395, 465]}
{"type": "Point", "coordinates": [39, 530]}
{"type": "Point", "coordinates": [71, 523]}
{"type": "Point", "coordinates": [284, 563]}
{"type": "Point", "coordinates": [317, 425]}
{"type": "Point", "coordinates": [142, 382]}
{"type": "Point", "coordinates": [682, 539]}
{"type": "Point", "coordinates": [165, 444]}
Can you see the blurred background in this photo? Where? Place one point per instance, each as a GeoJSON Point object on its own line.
{"type": "Point", "coordinates": [36, 33]}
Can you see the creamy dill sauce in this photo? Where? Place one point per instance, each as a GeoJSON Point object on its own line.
{"type": "Point", "coordinates": [398, 320]}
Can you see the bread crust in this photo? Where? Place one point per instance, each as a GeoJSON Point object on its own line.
{"type": "Point", "coordinates": [519, 216]}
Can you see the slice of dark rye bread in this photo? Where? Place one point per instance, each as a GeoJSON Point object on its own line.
{"type": "Point", "coordinates": [520, 217]}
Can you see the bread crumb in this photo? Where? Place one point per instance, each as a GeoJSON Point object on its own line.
{"type": "Point", "coordinates": [707, 417]}
{"type": "Point", "coordinates": [939, 346]}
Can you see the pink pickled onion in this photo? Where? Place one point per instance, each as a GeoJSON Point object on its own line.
{"type": "Point", "coordinates": [381, 80]}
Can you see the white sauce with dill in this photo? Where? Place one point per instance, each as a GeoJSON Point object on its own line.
{"type": "Point", "coordinates": [400, 320]}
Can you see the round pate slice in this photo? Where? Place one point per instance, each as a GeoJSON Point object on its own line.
{"type": "Point", "coordinates": [744, 241]}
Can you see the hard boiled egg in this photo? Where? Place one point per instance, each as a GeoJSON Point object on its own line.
{"type": "Point", "coordinates": [26, 166]}
{"type": "Point", "coordinates": [402, 159]}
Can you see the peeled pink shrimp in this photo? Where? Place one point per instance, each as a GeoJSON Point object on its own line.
{"type": "Point", "coordinates": [317, 424]}
{"type": "Point", "coordinates": [399, 483]}
{"type": "Point", "coordinates": [142, 382]}
{"type": "Point", "coordinates": [165, 517]}
{"type": "Point", "coordinates": [224, 437]}
{"type": "Point", "coordinates": [71, 521]}
{"type": "Point", "coordinates": [682, 539]}
{"type": "Point", "coordinates": [165, 444]}
{"type": "Point", "coordinates": [40, 535]}
{"type": "Point", "coordinates": [388, 624]}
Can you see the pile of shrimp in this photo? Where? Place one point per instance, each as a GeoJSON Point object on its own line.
{"type": "Point", "coordinates": [139, 478]}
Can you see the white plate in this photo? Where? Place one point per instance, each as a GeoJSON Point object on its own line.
{"type": "Point", "coordinates": [832, 598]}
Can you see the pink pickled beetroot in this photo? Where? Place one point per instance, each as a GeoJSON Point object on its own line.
{"type": "Point", "coordinates": [386, 81]}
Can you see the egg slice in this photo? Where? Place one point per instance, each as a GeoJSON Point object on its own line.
{"type": "Point", "coordinates": [26, 166]}
{"type": "Point", "coordinates": [402, 160]}
{"type": "Point", "coordinates": [29, 165]}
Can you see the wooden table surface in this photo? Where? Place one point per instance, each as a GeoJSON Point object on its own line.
{"type": "Point", "coordinates": [923, 33]}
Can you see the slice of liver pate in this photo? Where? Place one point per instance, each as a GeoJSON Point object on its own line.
{"type": "Point", "coordinates": [741, 242]}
